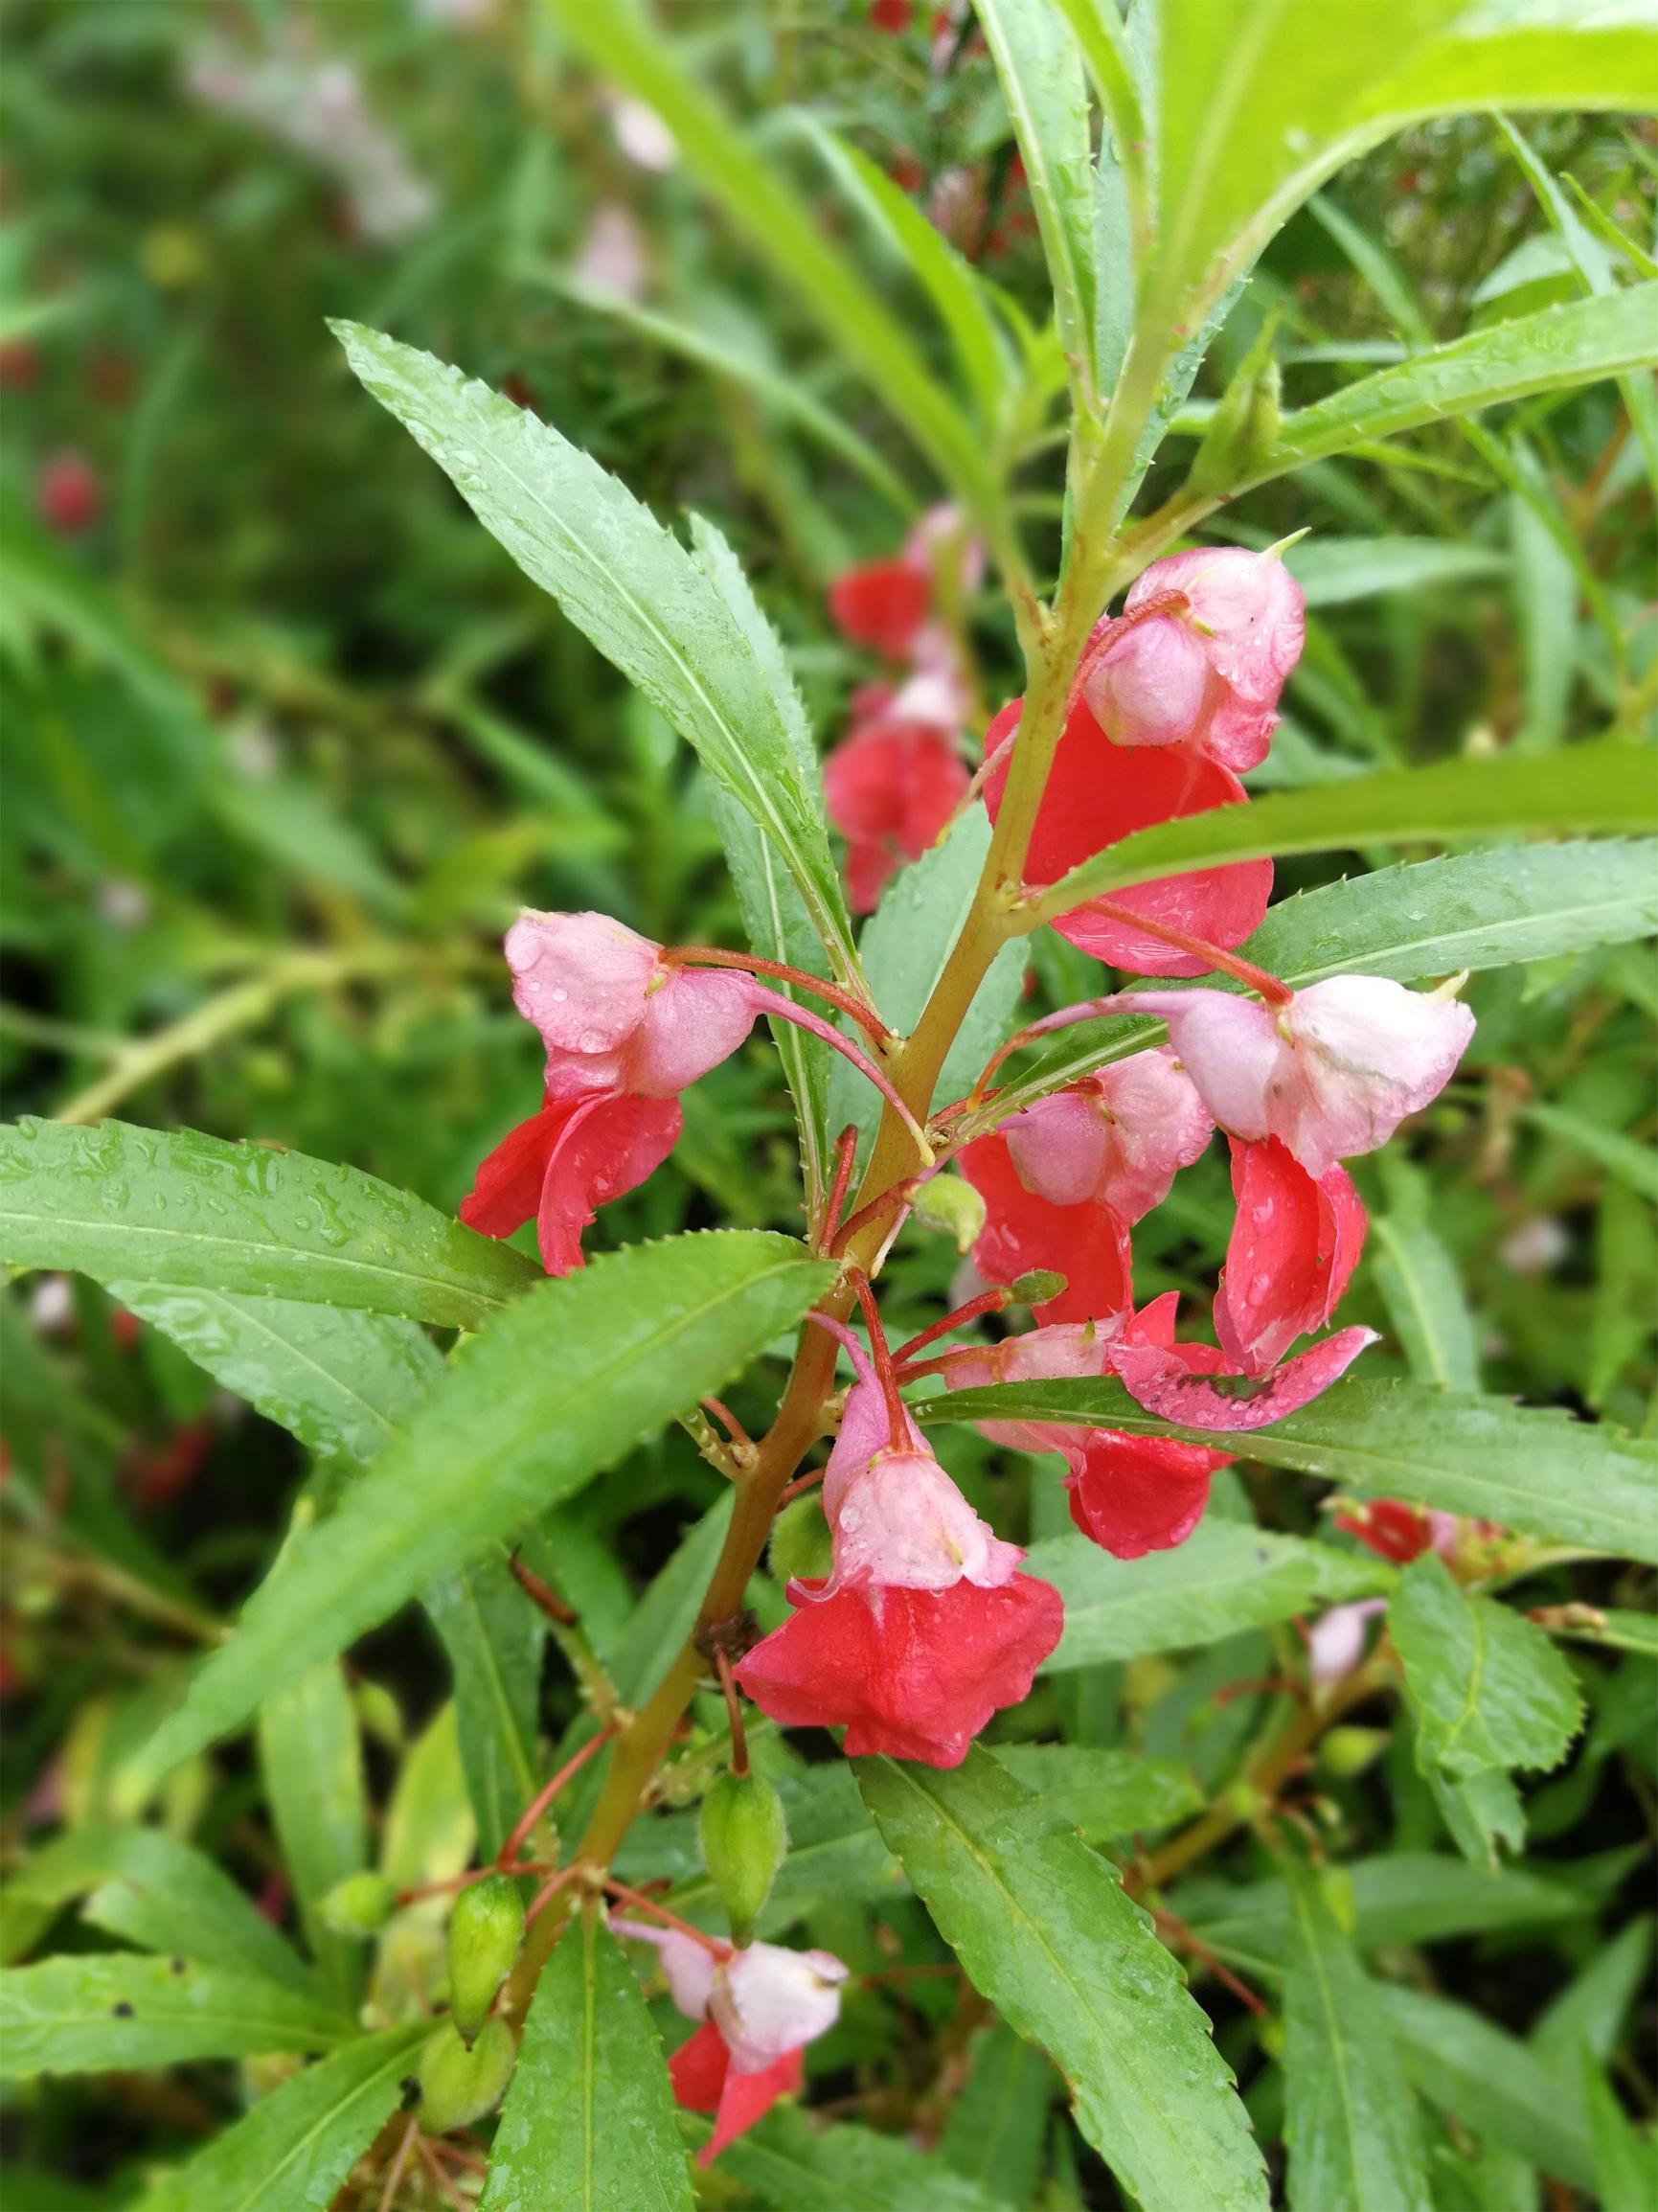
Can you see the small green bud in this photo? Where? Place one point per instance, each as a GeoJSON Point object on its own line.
{"type": "Point", "coordinates": [1348, 1751]}
{"type": "Point", "coordinates": [1270, 2033]}
{"type": "Point", "coordinates": [485, 1930]}
{"type": "Point", "coordinates": [359, 1905]}
{"type": "Point", "coordinates": [1038, 1287]}
{"type": "Point", "coordinates": [950, 1203]}
{"type": "Point", "coordinates": [743, 1837]}
{"type": "Point", "coordinates": [459, 2086]}
{"type": "Point", "coordinates": [801, 1547]}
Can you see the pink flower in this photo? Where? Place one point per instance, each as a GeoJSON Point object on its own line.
{"type": "Point", "coordinates": [760, 2005]}
{"type": "Point", "coordinates": [1209, 663]}
{"type": "Point", "coordinates": [1294, 1247]}
{"type": "Point", "coordinates": [1115, 1139]}
{"type": "Point", "coordinates": [1335, 1641]}
{"type": "Point", "coordinates": [1193, 1385]}
{"type": "Point", "coordinates": [1087, 1244]}
{"type": "Point", "coordinates": [69, 493]}
{"type": "Point", "coordinates": [1330, 1075]}
{"type": "Point", "coordinates": [1096, 793]}
{"type": "Point", "coordinates": [890, 787]}
{"type": "Point", "coordinates": [557, 1168]}
{"type": "Point", "coordinates": [916, 1679]}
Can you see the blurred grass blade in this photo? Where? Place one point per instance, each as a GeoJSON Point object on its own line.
{"type": "Point", "coordinates": [1602, 786]}
{"type": "Point", "coordinates": [1041, 72]}
{"type": "Point", "coordinates": [175, 1207]}
{"type": "Point", "coordinates": [1461, 2063]}
{"type": "Point", "coordinates": [588, 2119]}
{"type": "Point", "coordinates": [1351, 2122]}
{"type": "Point", "coordinates": [623, 42]}
{"type": "Point", "coordinates": [576, 1374]}
{"type": "Point", "coordinates": [1043, 1929]}
{"type": "Point", "coordinates": [1529, 1468]}
{"type": "Point", "coordinates": [629, 585]}
{"type": "Point", "coordinates": [297, 2146]}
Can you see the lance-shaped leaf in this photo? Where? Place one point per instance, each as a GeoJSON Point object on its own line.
{"type": "Point", "coordinates": [134, 1206]}
{"type": "Point", "coordinates": [795, 2167]}
{"type": "Point", "coordinates": [626, 583]}
{"type": "Point", "coordinates": [95, 2012]}
{"type": "Point", "coordinates": [1539, 1472]}
{"type": "Point", "coordinates": [1226, 1576]}
{"type": "Point", "coordinates": [1103, 1793]}
{"type": "Point", "coordinates": [293, 2151]}
{"type": "Point", "coordinates": [1422, 919]}
{"type": "Point", "coordinates": [588, 2123]}
{"type": "Point", "coordinates": [1487, 1686]}
{"type": "Point", "coordinates": [1603, 786]}
{"type": "Point", "coordinates": [494, 1638]}
{"type": "Point", "coordinates": [1354, 2144]}
{"type": "Point", "coordinates": [574, 1374]}
{"type": "Point", "coordinates": [1461, 2063]}
{"type": "Point", "coordinates": [1044, 1930]}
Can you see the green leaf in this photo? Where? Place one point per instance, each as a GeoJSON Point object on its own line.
{"type": "Point", "coordinates": [1103, 1793]}
{"type": "Point", "coordinates": [994, 2134]}
{"type": "Point", "coordinates": [1355, 2145]}
{"type": "Point", "coordinates": [789, 2163]}
{"type": "Point", "coordinates": [1487, 1687]}
{"type": "Point", "coordinates": [763, 206]}
{"type": "Point", "coordinates": [1482, 1812]}
{"type": "Point", "coordinates": [652, 607]}
{"type": "Point", "coordinates": [494, 1638]}
{"type": "Point", "coordinates": [1626, 2158]}
{"type": "Point", "coordinates": [1041, 73]}
{"type": "Point", "coordinates": [588, 2122]}
{"type": "Point", "coordinates": [311, 1759]}
{"type": "Point", "coordinates": [1420, 1284]}
{"type": "Point", "coordinates": [1632, 1163]}
{"type": "Point", "coordinates": [1603, 786]}
{"type": "Point", "coordinates": [1424, 918]}
{"type": "Point", "coordinates": [1044, 1930]}
{"type": "Point", "coordinates": [1226, 1576]}
{"type": "Point", "coordinates": [904, 946]}
{"type": "Point", "coordinates": [1528, 1469]}
{"type": "Point", "coordinates": [341, 1381]}
{"type": "Point", "coordinates": [166, 1888]}
{"type": "Point", "coordinates": [1403, 1896]}
{"type": "Point", "coordinates": [133, 1206]}
{"type": "Point", "coordinates": [293, 2151]}
{"type": "Point", "coordinates": [99, 2011]}
{"type": "Point", "coordinates": [570, 1378]}
{"type": "Point", "coordinates": [1461, 2063]}
{"type": "Point", "coordinates": [1591, 2011]}
{"type": "Point", "coordinates": [1333, 571]}
{"type": "Point", "coordinates": [1577, 342]}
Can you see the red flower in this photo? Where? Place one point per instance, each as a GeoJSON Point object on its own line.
{"type": "Point", "coordinates": [883, 603]}
{"type": "Point", "coordinates": [1087, 1244]}
{"type": "Point", "coordinates": [917, 1675]}
{"type": "Point", "coordinates": [1115, 1139]}
{"type": "Point", "coordinates": [557, 1168]}
{"type": "Point", "coordinates": [69, 493]}
{"type": "Point", "coordinates": [1294, 1245]}
{"type": "Point", "coordinates": [704, 2080]}
{"type": "Point", "coordinates": [1399, 1532]}
{"type": "Point", "coordinates": [1098, 792]}
{"type": "Point", "coordinates": [1193, 1385]}
{"type": "Point", "coordinates": [890, 15]}
{"type": "Point", "coordinates": [1134, 1495]}
{"type": "Point", "coordinates": [891, 788]}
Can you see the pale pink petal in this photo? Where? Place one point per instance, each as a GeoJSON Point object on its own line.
{"type": "Point", "coordinates": [767, 2001]}
{"type": "Point", "coordinates": [1148, 684]}
{"type": "Point", "coordinates": [1229, 1047]}
{"type": "Point", "coordinates": [688, 1966]}
{"type": "Point", "coordinates": [901, 1523]}
{"type": "Point", "coordinates": [695, 1017]}
{"type": "Point", "coordinates": [580, 979]}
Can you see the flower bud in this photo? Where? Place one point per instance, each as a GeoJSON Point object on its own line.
{"type": "Point", "coordinates": [949, 1203]}
{"type": "Point", "coordinates": [743, 1837]}
{"type": "Point", "coordinates": [459, 2086]}
{"type": "Point", "coordinates": [802, 1548]}
{"type": "Point", "coordinates": [485, 1930]}
{"type": "Point", "coordinates": [359, 1905]}
{"type": "Point", "coordinates": [1348, 1751]}
{"type": "Point", "coordinates": [1037, 1286]}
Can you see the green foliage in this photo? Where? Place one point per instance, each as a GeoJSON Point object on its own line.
{"type": "Point", "coordinates": [1487, 1688]}
{"type": "Point", "coordinates": [114, 2009]}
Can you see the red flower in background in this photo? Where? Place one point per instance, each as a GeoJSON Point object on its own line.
{"type": "Point", "coordinates": [69, 493]}
{"type": "Point", "coordinates": [883, 603]}
{"type": "Point", "coordinates": [891, 788]}
{"type": "Point", "coordinates": [1098, 792]}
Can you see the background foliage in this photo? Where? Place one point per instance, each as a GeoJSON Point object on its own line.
{"type": "Point", "coordinates": [287, 742]}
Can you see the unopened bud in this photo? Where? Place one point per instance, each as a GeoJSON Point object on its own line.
{"type": "Point", "coordinates": [1038, 1287]}
{"type": "Point", "coordinates": [359, 1905]}
{"type": "Point", "coordinates": [1349, 1751]}
{"type": "Point", "coordinates": [949, 1203]}
{"type": "Point", "coordinates": [459, 2086]}
{"type": "Point", "coordinates": [802, 1548]}
{"type": "Point", "coordinates": [485, 1930]}
{"type": "Point", "coordinates": [743, 1837]}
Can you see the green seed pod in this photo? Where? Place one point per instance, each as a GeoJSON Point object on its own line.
{"type": "Point", "coordinates": [359, 1905]}
{"type": "Point", "coordinates": [801, 1549]}
{"type": "Point", "coordinates": [950, 1203]}
{"type": "Point", "coordinates": [1038, 1287]}
{"type": "Point", "coordinates": [459, 2086]}
{"type": "Point", "coordinates": [743, 1837]}
{"type": "Point", "coordinates": [485, 1930]}
{"type": "Point", "coordinates": [1349, 1750]}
